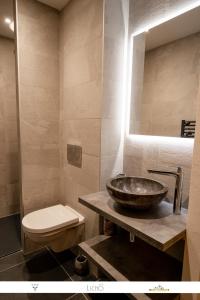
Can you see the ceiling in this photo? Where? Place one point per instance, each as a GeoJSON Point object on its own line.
{"type": "Point", "coordinates": [58, 4]}
{"type": "Point", "coordinates": [174, 29]}
{"type": "Point", "coordinates": [6, 11]}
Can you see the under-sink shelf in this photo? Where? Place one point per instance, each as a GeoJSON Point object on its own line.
{"type": "Point", "coordinates": [121, 260]}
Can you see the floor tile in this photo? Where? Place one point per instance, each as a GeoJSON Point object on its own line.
{"type": "Point", "coordinates": [78, 297]}
{"type": "Point", "coordinates": [66, 259]}
{"type": "Point", "coordinates": [108, 296]}
{"type": "Point", "coordinates": [10, 234]}
{"type": "Point", "coordinates": [35, 296]}
{"type": "Point", "coordinates": [7, 262]}
{"type": "Point", "coordinates": [14, 259]}
{"type": "Point", "coordinates": [41, 267]}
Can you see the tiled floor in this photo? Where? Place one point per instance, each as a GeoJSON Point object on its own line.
{"type": "Point", "coordinates": [45, 266]}
{"type": "Point", "coordinates": [10, 234]}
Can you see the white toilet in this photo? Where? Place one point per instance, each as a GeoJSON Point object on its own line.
{"type": "Point", "coordinates": [59, 227]}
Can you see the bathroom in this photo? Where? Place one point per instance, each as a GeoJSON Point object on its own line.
{"type": "Point", "coordinates": [73, 119]}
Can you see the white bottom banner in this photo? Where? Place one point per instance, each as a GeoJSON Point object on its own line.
{"type": "Point", "coordinates": [125, 287]}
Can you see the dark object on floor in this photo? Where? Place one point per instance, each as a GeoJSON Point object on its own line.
{"type": "Point", "coordinates": [10, 234]}
{"type": "Point", "coordinates": [81, 265]}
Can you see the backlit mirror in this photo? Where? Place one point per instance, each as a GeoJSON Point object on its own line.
{"type": "Point", "coordinates": [165, 78]}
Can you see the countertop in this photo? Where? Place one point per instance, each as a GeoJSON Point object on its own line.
{"type": "Point", "coordinates": [159, 226]}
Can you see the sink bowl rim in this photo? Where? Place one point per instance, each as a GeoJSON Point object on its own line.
{"type": "Point", "coordinates": [164, 189]}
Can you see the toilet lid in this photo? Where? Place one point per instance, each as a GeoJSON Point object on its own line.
{"type": "Point", "coordinates": [49, 219]}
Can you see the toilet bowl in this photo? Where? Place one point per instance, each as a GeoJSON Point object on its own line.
{"type": "Point", "coordinates": [58, 227]}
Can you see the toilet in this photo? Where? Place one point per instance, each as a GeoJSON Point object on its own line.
{"type": "Point", "coordinates": [58, 227]}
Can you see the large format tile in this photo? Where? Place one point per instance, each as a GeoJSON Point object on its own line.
{"type": "Point", "coordinates": [67, 260]}
{"type": "Point", "coordinates": [41, 267]}
{"type": "Point", "coordinates": [36, 297]}
{"type": "Point", "coordinates": [82, 101]}
{"type": "Point", "coordinates": [85, 132]}
{"type": "Point", "coordinates": [108, 296]}
{"type": "Point", "coordinates": [87, 60]}
{"type": "Point", "coordinates": [10, 235]}
{"type": "Point", "coordinates": [13, 259]}
{"type": "Point", "coordinates": [40, 104]}
{"type": "Point", "coordinates": [78, 297]}
{"type": "Point", "coordinates": [87, 26]}
{"type": "Point", "coordinates": [8, 126]}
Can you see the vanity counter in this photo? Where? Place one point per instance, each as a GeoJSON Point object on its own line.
{"type": "Point", "coordinates": [158, 227]}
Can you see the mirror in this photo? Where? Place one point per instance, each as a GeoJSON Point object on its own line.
{"type": "Point", "coordinates": [165, 78]}
{"type": "Point", "coordinates": [9, 176]}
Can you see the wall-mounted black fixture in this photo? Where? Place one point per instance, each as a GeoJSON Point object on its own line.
{"type": "Point", "coordinates": [74, 155]}
{"type": "Point", "coordinates": [188, 129]}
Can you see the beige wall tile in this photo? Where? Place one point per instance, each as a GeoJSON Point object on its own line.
{"type": "Point", "coordinates": [39, 132]}
{"type": "Point", "coordinates": [115, 26]}
{"type": "Point", "coordinates": [41, 104]}
{"type": "Point", "coordinates": [38, 48]}
{"type": "Point", "coordinates": [35, 172]}
{"type": "Point", "coordinates": [9, 172]}
{"type": "Point", "coordinates": [43, 42]}
{"type": "Point", "coordinates": [42, 156]}
{"type": "Point", "coordinates": [87, 61]}
{"type": "Point", "coordinates": [83, 132]}
{"type": "Point", "coordinates": [110, 136]}
{"type": "Point", "coordinates": [82, 101]}
{"type": "Point", "coordinates": [110, 167]}
{"type": "Point", "coordinates": [40, 193]}
{"type": "Point", "coordinates": [82, 30]}
{"type": "Point", "coordinates": [88, 175]}
{"type": "Point", "coordinates": [40, 14]}
{"type": "Point", "coordinates": [191, 268]}
{"type": "Point", "coordinates": [35, 75]}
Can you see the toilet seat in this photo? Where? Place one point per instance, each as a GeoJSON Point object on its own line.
{"type": "Point", "coordinates": [50, 218]}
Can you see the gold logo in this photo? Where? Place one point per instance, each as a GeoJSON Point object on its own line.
{"type": "Point", "coordinates": [159, 289]}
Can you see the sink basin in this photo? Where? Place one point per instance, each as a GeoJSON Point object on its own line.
{"type": "Point", "coordinates": [136, 192]}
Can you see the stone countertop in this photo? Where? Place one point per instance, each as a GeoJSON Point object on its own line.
{"type": "Point", "coordinates": [159, 226]}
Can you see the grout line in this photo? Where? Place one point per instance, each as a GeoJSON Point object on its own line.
{"type": "Point", "coordinates": [10, 254]}
{"type": "Point", "coordinates": [20, 263]}
{"type": "Point", "coordinates": [11, 215]}
{"type": "Point", "coordinates": [60, 265]}
{"type": "Point", "coordinates": [13, 266]}
{"type": "Point", "coordinates": [85, 296]}
{"type": "Point", "coordinates": [71, 297]}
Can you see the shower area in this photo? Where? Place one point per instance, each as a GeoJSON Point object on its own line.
{"type": "Point", "coordinates": [10, 240]}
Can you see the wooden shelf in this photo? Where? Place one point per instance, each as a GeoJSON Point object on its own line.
{"type": "Point", "coordinates": [121, 260]}
{"type": "Point", "coordinates": [159, 226]}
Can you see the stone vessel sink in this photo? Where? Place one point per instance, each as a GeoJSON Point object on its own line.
{"type": "Point", "coordinates": [136, 192]}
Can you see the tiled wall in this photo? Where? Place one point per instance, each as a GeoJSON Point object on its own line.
{"type": "Point", "coordinates": [89, 113]}
{"type": "Point", "coordinates": [191, 270]}
{"type": "Point", "coordinates": [141, 152]}
{"type": "Point", "coordinates": [9, 195]}
{"type": "Point", "coordinates": [81, 33]}
{"type": "Point", "coordinates": [115, 27]}
{"type": "Point", "coordinates": [38, 65]}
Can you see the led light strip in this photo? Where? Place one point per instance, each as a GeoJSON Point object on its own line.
{"type": "Point", "coordinates": [130, 64]}
{"type": "Point", "coordinates": [167, 18]}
